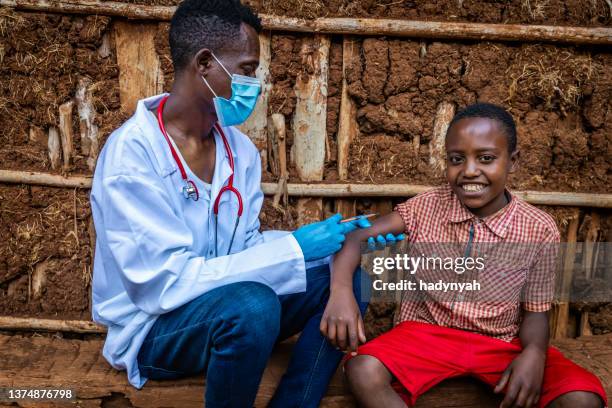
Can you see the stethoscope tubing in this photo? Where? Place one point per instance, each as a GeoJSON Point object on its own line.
{"type": "Point", "coordinates": [194, 194]}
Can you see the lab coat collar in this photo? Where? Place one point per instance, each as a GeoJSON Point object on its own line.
{"type": "Point", "coordinates": [150, 126]}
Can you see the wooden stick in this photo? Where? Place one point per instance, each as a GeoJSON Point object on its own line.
{"type": "Point", "coordinates": [354, 26]}
{"type": "Point", "coordinates": [277, 149]}
{"type": "Point", "coordinates": [28, 323]}
{"type": "Point", "coordinates": [437, 153]}
{"type": "Point", "coordinates": [331, 190]}
{"type": "Point", "coordinates": [55, 146]}
{"type": "Point", "coordinates": [65, 127]}
{"type": "Point", "coordinates": [37, 136]}
{"type": "Point", "coordinates": [589, 263]}
{"type": "Point", "coordinates": [278, 156]}
{"type": "Point", "coordinates": [38, 279]}
{"type": "Point", "coordinates": [139, 67]}
{"type": "Point", "coordinates": [43, 179]}
{"type": "Point", "coordinates": [348, 129]}
{"type": "Point", "coordinates": [87, 125]}
{"type": "Point", "coordinates": [562, 311]}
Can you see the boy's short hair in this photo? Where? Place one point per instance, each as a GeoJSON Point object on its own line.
{"type": "Point", "coordinates": [493, 112]}
{"type": "Point", "coordinates": [211, 24]}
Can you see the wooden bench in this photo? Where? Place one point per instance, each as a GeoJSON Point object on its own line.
{"type": "Point", "coordinates": [50, 362]}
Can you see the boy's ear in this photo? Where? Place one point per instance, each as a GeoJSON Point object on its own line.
{"type": "Point", "coordinates": [203, 61]}
{"type": "Point", "coordinates": [514, 159]}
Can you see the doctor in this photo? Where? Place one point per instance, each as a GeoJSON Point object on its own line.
{"type": "Point", "coordinates": [183, 278]}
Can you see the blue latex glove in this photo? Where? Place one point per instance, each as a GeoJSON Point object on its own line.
{"type": "Point", "coordinates": [380, 242]}
{"type": "Point", "coordinates": [324, 238]}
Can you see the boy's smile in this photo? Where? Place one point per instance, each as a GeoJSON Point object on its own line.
{"type": "Point", "coordinates": [478, 164]}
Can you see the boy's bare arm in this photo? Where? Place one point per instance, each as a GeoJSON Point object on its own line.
{"type": "Point", "coordinates": [347, 259]}
{"type": "Point", "coordinates": [523, 377]}
{"type": "Point", "coordinates": [341, 322]}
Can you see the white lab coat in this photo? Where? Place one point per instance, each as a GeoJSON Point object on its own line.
{"type": "Point", "coordinates": [155, 249]}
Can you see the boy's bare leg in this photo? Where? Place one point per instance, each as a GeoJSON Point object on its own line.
{"type": "Point", "coordinates": [370, 383]}
{"type": "Point", "coordinates": [582, 399]}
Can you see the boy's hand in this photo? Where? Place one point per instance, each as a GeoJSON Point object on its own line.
{"type": "Point", "coordinates": [341, 322]}
{"type": "Point", "coordinates": [522, 380]}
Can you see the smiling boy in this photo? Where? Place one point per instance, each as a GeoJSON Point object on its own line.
{"type": "Point", "coordinates": [501, 342]}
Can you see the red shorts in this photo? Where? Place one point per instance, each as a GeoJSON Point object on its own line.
{"type": "Point", "coordinates": [421, 355]}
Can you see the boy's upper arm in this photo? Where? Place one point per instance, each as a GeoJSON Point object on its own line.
{"type": "Point", "coordinates": [390, 223]}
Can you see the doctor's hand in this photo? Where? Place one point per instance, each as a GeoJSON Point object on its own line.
{"type": "Point", "coordinates": [324, 238]}
{"type": "Point", "coordinates": [382, 241]}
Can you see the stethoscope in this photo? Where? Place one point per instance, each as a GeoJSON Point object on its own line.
{"type": "Point", "coordinates": [190, 190]}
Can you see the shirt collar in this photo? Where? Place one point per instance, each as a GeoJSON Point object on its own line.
{"type": "Point", "coordinates": [498, 223]}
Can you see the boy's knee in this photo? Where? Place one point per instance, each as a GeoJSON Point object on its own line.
{"type": "Point", "coordinates": [366, 372]}
{"type": "Point", "coordinates": [577, 399]}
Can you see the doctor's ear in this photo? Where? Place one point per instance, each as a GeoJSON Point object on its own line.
{"type": "Point", "coordinates": [203, 61]}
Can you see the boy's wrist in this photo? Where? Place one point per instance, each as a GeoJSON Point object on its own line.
{"type": "Point", "coordinates": [341, 288]}
{"type": "Point", "coordinates": [535, 351]}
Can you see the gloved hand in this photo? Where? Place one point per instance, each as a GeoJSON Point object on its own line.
{"type": "Point", "coordinates": [321, 239]}
{"type": "Point", "coordinates": [382, 241]}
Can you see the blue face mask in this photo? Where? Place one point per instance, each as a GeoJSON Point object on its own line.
{"type": "Point", "coordinates": [237, 109]}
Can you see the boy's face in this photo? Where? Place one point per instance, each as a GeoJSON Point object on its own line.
{"type": "Point", "coordinates": [478, 164]}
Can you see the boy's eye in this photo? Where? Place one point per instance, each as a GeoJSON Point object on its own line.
{"type": "Point", "coordinates": [487, 158]}
{"type": "Point", "coordinates": [455, 159]}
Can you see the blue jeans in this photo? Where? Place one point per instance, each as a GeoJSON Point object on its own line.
{"type": "Point", "coordinates": [229, 332]}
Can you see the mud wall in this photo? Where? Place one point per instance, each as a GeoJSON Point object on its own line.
{"type": "Point", "coordinates": [559, 95]}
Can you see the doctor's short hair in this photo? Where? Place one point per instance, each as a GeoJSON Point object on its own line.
{"type": "Point", "coordinates": [492, 112]}
{"type": "Point", "coordinates": [211, 24]}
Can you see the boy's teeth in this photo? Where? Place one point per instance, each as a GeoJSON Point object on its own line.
{"type": "Point", "coordinates": [472, 187]}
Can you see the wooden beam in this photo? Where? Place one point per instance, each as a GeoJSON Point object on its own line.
{"type": "Point", "coordinates": [309, 122]}
{"type": "Point", "coordinates": [331, 190]}
{"type": "Point", "coordinates": [352, 26]}
{"type": "Point", "coordinates": [348, 129]}
{"type": "Point", "coordinates": [29, 323]}
{"type": "Point", "coordinates": [140, 73]}
{"type": "Point", "coordinates": [590, 264]}
{"type": "Point", "coordinates": [561, 318]}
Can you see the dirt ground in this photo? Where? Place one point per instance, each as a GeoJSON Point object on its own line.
{"type": "Point", "coordinates": [560, 97]}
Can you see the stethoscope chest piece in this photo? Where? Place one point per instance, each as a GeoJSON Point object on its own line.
{"type": "Point", "coordinates": [190, 190]}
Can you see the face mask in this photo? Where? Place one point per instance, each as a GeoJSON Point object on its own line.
{"type": "Point", "coordinates": [238, 108]}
